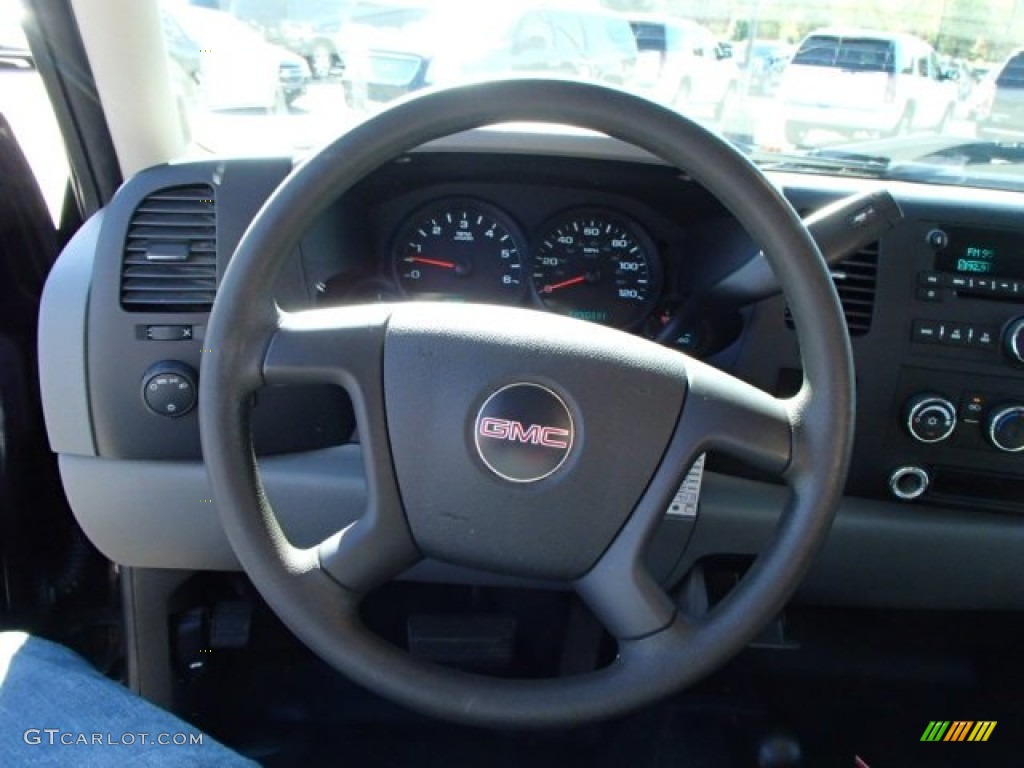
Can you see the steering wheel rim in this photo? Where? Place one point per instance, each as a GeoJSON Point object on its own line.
{"type": "Point", "coordinates": [316, 592]}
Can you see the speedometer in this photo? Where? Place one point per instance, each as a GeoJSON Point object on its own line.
{"type": "Point", "coordinates": [596, 265]}
{"type": "Point", "coordinates": [460, 250]}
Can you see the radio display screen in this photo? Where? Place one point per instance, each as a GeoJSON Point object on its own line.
{"type": "Point", "coordinates": [982, 252]}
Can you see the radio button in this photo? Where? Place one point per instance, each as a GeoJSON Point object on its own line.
{"type": "Point", "coordinates": [926, 332]}
{"type": "Point", "coordinates": [929, 294]}
{"type": "Point", "coordinates": [957, 335]}
{"type": "Point", "coordinates": [934, 279]}
{"type": "Point", "coordinates": [984, 338]}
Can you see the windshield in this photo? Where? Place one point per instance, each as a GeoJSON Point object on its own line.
{"type": "Point", "coordinates": [846, 85]}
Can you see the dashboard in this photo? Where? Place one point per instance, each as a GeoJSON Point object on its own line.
{"type": "Point", "coordinates": [594, 241]}
{"type": "Point", "coordinates": [576, 225]}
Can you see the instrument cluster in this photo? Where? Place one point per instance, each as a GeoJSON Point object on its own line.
{"type": "Point", "coordinates": [591, 263]}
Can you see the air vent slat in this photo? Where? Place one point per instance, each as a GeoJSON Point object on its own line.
{"type": "Point", "coordinates": [160, 282]}
{"type": "Point", "coordinates": [142, 273]}
{"type": "Point", "coordinates": [195, 248]}
{"type": "Point", "coordinates": [170, 231]}
{"type": "Point", "coordinates": [178, 222]}
{"type": "Point", "coordinates": [855, 279]}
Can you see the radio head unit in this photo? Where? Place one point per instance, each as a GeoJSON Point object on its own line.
{"type": "Point", "coordinates": [982, 252]}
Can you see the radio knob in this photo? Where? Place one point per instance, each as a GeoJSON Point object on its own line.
{"type": "Point", "coordinates": [937, 239]}
{"type": "Point", "coordinates": [1006, 428]}
{"type": "Point", "coordinates": [930, 418]}
{"type": "Point", "coordinates": [1013, 340]}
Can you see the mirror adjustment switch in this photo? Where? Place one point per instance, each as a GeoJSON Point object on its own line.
{"type": "Point", "coordinates": [169, 388]}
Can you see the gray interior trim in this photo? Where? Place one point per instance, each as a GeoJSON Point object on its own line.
{"type": "Point", "coordinates": [877, 554]}
{"type": "Point", "coordinates": [145, 597]}
{"type": "Point", "coordinates": [157, 514]}
{"type": "Point", "coordinates": [63, 315]}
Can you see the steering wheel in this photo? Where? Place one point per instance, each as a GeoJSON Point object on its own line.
{"type": "Point", "coordinates": [521, 443]}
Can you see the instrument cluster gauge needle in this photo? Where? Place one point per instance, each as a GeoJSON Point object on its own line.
{"type": "Point", "coordinates": [564, 284]}
{"type": "Point", "coordinates": [432, 262]}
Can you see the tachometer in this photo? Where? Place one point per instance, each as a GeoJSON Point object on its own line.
{"type": "Point", "coordinates": [596, 265]}
{"type": "Point", "coordinates": [462, 250]}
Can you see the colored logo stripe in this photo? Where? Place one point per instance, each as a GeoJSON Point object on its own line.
{"type": "Point", "coordinates": [959, 730]}
{"type": "Point", "coordinates": [982, 730]}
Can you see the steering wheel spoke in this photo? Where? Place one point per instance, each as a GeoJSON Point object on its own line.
{"type": "Point", "coordinates": [726, 414]}
{"type": "Point", "coordinates": [370, 552]}
{"type": "Point", "coordinates": [344, 346]}
{"type": "Point", "coordinates": [624, 597]}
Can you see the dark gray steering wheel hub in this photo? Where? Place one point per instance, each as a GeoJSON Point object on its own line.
{"type": "Point", "coordinates": [517, 442]}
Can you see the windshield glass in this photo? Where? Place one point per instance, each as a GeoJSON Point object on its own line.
{"type": "Point", "coordinates": [899, 88]}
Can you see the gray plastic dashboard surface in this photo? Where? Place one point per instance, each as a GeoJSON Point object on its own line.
{"type": "Point", "coordinates": [63, 361]}
{"type": "Point", "coordinates": [157, 514]}
{"type": "Point", "coordinates": [160, 514]}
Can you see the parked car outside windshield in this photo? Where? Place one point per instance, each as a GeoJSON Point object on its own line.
{"type": "Point", "coordinates": [232, 66]}
{"type": "Point", "coordinates": [1002, 116]}
{"type": "Point", "coordinates": [858, 81]}
{"type": "Point", "coordinates": [778, 79]}
{"type": "Point", "coordinates": [681, 64]}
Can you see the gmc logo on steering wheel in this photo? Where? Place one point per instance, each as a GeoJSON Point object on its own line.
{"type": "Point", "coordinates": [516, 432]}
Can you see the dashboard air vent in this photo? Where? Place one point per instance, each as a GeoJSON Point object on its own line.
{"type": "Point", "coordinates": [170, 255]}
{"type": "Point", "coordinates": [854, 278]}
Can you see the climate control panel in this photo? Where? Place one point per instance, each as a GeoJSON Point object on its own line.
{"type": "Point", "coordinates": [933, 418]}
{"type": "Point", "coordinates": [955, 435]}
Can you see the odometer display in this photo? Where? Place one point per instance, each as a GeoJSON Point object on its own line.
{"type": "Point", "coordinates": [597, 266]}
{"type": "Point", "coordinates": [460, 250]}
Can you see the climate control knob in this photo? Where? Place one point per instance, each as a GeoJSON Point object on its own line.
{"type": "Point", "coordinates": [1006, 428]}
{"type": "Point", "coordinates": [1013, 341]}
{"type": "Point", "coordinates": [929, 418]}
